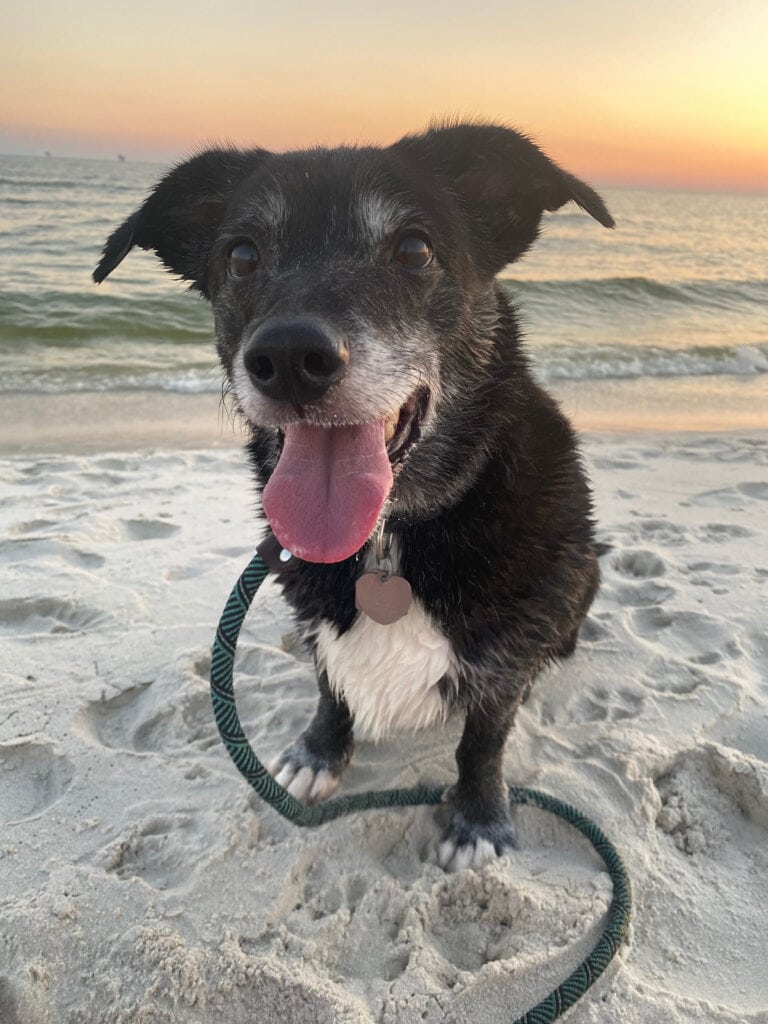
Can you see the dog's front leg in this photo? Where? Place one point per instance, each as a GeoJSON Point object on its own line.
{"type": "Point", "coordinates": [310, 768]}
{"type": "Point", "coordinates": [481, 827]}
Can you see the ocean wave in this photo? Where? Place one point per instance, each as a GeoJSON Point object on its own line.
{"type": "Point", "coordinates": [603, 362]}
{"type": "Point", "coordinates": [60, 317]}
{"type": "Point", "coordinates": [721, 294]}
{"type": "Point", "coordinates": [550, 363]}
{"type": "Point", "coordinates": [190, 382]}
{"type": "Point", "coordinates": [82, 183]}
{"type": "Point", "coordinates": [64, 318]}
{"type": "Point", "coordinates": [56, 341]}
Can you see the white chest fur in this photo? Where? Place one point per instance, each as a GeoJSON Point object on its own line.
{"type": "Point", "coordinates": [389, 675]}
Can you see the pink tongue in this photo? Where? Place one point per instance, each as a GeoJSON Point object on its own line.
{"type": "Point", "coordinates": [324, 497]}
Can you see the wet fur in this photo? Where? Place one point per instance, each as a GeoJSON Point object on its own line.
{"type": "Point", "coordinates": [492, 509]}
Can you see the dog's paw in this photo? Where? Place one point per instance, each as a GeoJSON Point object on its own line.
{"type": "Point", "coordinates": [468, 844]}
{"type": "Point", "coordinates": [308, 777]}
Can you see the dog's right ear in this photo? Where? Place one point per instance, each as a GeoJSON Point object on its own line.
{"type": "Point", "coordinates": [503, 180]}
{"type": "Point", "coordinates": [181, 216]}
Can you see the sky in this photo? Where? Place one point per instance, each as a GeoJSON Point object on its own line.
{"type": "Point", "coordinates": [659, 93]}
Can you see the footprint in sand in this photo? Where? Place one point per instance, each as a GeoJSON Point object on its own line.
{"type": "Point", "coordinates": [711, 574]}
{"type": "Point", "coordinates": [694, 636]}
{"type": "Point", "coordinates": [148, 529]}
{"type": "Point", "coordinates": [603, 705]}
{"type": "Point", "coordinates": [714, 533]}
{"type": "Point", "coordinates": [34, 615]}
{"type": "Point", "coordinates": [638, 563]}
{"type": "Point", "coordinates": [315, 899]}
{"type": "Point", "coordinates": [642, 568]}
{"type": "Point", "coordinates": [33, 526]}
{"type": "Point", "coordinates": [757, 490]}
{"type": "Point", "coordinates": [668, 676]}
{"type": "Point", "coordinates": [206, 562]}
{"type": "Point", "coordinates": [726, 497]}
{"type": "Point", "coordinates": [162, 850]}
{"type": "Point", "coordinates": [596, 627]}
{"type": "Point", "coordinates": [717, 568]}
{"type": "Point", "coordinates": [32, 778]}
{"type": "Point", "coordinates": [376, 914]}
{"type": "Point", "coordinates": [615, 462]}
{"type": "Point", "coordinates": [148, 719]}
{"type": "Point", "coordinates": [28, 549]}
{"type": "Point", "coordinates": [649, 592]}
{"type": "Point", "coordinates": [736, 498]}
{"type": "Point", "coordinates": [660, 531]}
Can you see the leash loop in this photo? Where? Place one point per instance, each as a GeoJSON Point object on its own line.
{"type": "Point", "coordinates": [251, 768]}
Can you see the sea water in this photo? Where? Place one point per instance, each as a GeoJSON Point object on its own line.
{"type": "Point", "coordinates": [678, 291]}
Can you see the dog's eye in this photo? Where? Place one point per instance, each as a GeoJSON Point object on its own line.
{"type": "Point", "coordinates": [243, 259]}
{"type": "Point", "coordinates": [414, 252]}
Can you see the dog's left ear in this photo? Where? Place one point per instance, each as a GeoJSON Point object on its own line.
{"type": "Point", "coordinates": [180, 218]}
{"type": "Point", "coordinates": [504, 181]}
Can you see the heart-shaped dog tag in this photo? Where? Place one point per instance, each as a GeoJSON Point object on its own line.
{"type": "Point", "coordinates": [384, 598]}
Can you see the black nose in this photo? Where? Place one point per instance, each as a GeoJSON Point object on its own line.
{"type": "Point", "coordinates": [294, 360]}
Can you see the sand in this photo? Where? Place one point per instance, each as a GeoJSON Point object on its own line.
{"type": "Point", "coordinates": [140, 881]}
{"type": "Point", "coordinates": [89, 422]}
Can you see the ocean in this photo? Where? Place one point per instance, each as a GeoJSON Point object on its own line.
{"type": "Point", "coordinates": [679, 291]}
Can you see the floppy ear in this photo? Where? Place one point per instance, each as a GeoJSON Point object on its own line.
{"type": "Point", "coordinates": [504, 181]}
{"type": "Point", "coordinates": [181, 216]}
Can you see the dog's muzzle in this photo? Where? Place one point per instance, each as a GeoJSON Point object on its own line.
{"type": "Point", "coordinates": [295, 361]}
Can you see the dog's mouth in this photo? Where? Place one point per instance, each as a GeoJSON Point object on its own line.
{"type": "Point", "coordinates": [403, 428]}
{"type": "Point", "coordinates": [331, 482]}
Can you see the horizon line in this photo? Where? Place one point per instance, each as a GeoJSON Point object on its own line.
{"type": "Point", "coordinates": [623, 185]}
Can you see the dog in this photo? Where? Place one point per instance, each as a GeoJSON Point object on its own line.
{"type": "Point", "coordinates": [396, 431]}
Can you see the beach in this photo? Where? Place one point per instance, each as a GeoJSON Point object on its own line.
{"type": "Point", "coordinates": [142, 881]}
{"type": "Point", "coordinates": [86, 421]}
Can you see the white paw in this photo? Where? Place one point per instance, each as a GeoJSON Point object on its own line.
{"type": "Point", "coordinates": [304, 782]}
{"type": "Point", "coordinates": [470, 844]}
{"type": "Point", "coordinates": [454, 856]}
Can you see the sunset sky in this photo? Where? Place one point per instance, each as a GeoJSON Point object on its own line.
{"type": "Point", "coordinates": [659, 92]}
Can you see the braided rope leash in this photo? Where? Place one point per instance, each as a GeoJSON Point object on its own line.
{"type": "Point", "coordinates": [228, 722]}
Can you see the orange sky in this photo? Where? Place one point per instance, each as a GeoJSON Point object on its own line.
{"type": "Point", "coordinates": [671, 93]}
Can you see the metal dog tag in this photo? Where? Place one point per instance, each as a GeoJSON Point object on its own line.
{"type": "Point", "coordinates": [383, 597]}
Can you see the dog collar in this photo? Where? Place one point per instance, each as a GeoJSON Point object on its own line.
{"type": "Point", "coordinates": [381, 594]}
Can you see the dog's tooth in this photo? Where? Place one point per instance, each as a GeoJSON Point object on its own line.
{"type": "Point", "coordinates": [389, 430]}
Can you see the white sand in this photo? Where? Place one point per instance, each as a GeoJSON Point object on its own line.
{"type": "Point", "coordinates": [141, 882]}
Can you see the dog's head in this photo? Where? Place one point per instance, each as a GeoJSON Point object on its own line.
{"type": "Point", "coordinates": [355, 312]}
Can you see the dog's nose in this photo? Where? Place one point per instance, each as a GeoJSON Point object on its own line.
{"type": "Point", "coordinates": [295, 361]}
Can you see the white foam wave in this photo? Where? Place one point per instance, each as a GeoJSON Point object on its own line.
{"type": "Point", "coordinates": [557, 362]}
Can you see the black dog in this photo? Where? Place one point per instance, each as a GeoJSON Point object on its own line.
{"type": "Point", "coordinates": [397, 432]}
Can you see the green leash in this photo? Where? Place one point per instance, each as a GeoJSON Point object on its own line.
{"type": "Point", "coordinates": [225, 712]}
